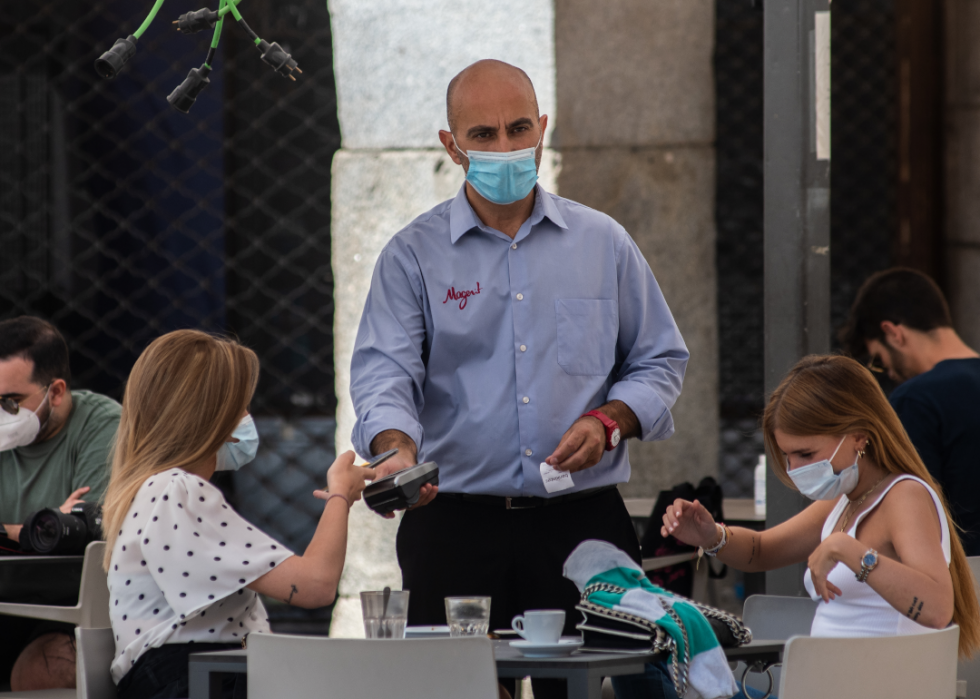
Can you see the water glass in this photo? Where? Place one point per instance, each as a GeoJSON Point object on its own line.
{"type": "Point", "coordinates": [382, 623]}
{"type": "Point", "coordinates": [468, 616]}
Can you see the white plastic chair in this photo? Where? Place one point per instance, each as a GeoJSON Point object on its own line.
{"type": "Point", "coordinates": [311, 667]}
{"type": "Point", "coordinates": [95, 650]}
{"type": "Point", "coordinates": [774, 618]}
{"type": "Point", "coordinates": [969, 670]}
{"type": "Point", "coordinates": [897, 667]}
{"type": "Point", "coordinates": [92, 610]}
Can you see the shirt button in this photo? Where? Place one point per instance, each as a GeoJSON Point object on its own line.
{"type": "Point", "coordinates": [514, 246]}
{"type": "Point", "coordinates": [528, 452]}
{"type": "Point", "coordinates": [520, 297]}
{"type": "Point", "coordinates": [526, 399]}
{"type": "Point", "coordinates": [523, 348]}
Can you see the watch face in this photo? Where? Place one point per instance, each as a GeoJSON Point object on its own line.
{"type": "Point", "coordinates": [869, 559]}
{"type": "Point", "coordinates": [614, 438]}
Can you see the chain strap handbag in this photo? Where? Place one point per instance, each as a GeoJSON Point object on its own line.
{"type": "Point", "coordinates": [611, 630]}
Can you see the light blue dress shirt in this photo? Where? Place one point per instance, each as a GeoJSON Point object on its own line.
{"type": "Point", "coordinates": [485, 350]}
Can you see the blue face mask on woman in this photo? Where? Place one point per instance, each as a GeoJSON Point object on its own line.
{"type": "Point", "coordinates": [819, 482]}
{"type": "Point", "coordinates": [502, 178]}
{"type": "Point", "coordinates": [233, 455]}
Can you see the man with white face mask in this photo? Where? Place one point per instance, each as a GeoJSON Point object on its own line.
{"type": "Point", "coordinates": [54, 447]}
{"type": "Point", "coordinates": [54, 443]}
{"type": "Point", "coordinates": [517, 339]}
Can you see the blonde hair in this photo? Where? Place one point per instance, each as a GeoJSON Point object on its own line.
{"type": "Point", "coordinates": [185, 395]}
{"type": "Point", "coordinates": [834, 395]}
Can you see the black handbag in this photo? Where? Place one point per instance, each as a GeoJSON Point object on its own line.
{"type": "Point", "coordinates": [613, 631]}
{"type": "Point", "coordinates": [679, 578]}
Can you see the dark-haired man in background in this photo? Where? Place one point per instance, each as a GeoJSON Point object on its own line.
{"type": "Point", "coordinates": [54, 450]}
{"type": "Point", "coordinates": [900, 318]}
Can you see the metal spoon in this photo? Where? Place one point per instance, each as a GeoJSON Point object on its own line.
{"type": "Point", "coordinates": [384, 612]}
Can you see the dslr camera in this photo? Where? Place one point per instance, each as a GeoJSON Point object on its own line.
{"type": "Point", "coordinates": [51, 532]}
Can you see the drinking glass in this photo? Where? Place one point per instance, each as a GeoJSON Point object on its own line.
{"type": "Point", "coordinates": [468, 616]}
{"type": "Point", "coordinates": [382, 623]}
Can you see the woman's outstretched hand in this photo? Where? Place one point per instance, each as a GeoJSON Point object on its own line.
{"type": "Point", "coordinates": [346, 479]}
{"type": "Point", "coordinates": [690, 523]}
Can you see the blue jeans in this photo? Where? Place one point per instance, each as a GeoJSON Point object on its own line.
{"type": "Point", "coordinates": [655, 683]}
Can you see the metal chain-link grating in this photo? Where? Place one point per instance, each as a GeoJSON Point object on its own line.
{"type": "Point", "coordinates": [122, 219]}
{"type": "Point", "coordinates": [863, 208]}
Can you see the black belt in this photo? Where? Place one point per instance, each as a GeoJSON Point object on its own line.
{"type": "Point", "coordinates": [526, 503]}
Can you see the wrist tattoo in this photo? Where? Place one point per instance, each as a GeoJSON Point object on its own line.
{"type": "Point", "coordinates": [752, 555]}
{"type": "Point", "coordinates": [290, 600]}
{"type": "Point", "coordinates": [914, 609]}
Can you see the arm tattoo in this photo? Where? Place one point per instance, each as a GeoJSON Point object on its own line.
{"type": "Point", "coordinates": [915, 609]}
{"type": "Point", "coordinates": [290, 600]}
{"type": "Point", "coordinates": [752, 555]}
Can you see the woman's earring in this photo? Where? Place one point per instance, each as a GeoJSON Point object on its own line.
{"type": "Point", "coordinates": [861, 450]}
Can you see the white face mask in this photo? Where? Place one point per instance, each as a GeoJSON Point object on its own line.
{"type": "Point", "coordinates": [233, 455]}
{"type": "Point", "coordinates": [21, 429]}
{"type": "Point", "coordinates": [819, 482]}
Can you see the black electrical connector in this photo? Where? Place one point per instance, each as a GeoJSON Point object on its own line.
{"type": "Point", "coordinates": [276, 56]}
{"type": "Point", "coordinates": [112, 61]}
{"type": "Point", "coordinates": [184, 95]}
{"type": "Point", "coordinates": [196, 21]}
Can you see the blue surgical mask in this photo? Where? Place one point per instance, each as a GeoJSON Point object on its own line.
{"type": "Point", "coordinates": [819, 482]}
{"type": "Point", "coordinates": [233, 455]}
{"type": "Point", "coordinates": [502, 178]}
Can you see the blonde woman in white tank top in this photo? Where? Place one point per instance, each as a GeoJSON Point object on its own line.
{"type": "Point", "coordinates": [880, 549]}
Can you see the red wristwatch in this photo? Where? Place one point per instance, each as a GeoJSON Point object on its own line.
{"type": "Point", "coordinates": [612, 429]}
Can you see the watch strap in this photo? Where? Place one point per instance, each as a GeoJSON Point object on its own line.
{"type": "Point", "coordinates": [608, 423]}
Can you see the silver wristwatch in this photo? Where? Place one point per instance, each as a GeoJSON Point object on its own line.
{"type": "Point", "coordinates": [869, 561]}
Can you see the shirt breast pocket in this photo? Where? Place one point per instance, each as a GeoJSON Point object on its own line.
{"type": "Point", "coordinates": [587, 333]}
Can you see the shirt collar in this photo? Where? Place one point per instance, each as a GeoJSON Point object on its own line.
{"type": "Point", "coordinates": [462, 218]}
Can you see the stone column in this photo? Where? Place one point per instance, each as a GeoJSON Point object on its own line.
{"type": "Point", "coordinates": [634, 114]}
{"type": "Point", "coordinates": [636, 102]}
{"type": "Point", "coordinates": [963, 166]}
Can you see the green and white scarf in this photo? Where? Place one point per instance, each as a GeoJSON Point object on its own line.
{"type": "Point", "coordinates": [611, 579]}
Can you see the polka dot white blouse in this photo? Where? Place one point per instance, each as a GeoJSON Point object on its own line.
{"type": "Point", "coordinates": [179, 569]}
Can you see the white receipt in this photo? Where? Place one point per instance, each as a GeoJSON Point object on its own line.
{"type": "Point", "coordinates": [555, 480]}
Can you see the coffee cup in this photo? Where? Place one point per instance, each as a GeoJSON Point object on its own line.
{"type": "Point", "coordinates": [539, 625]}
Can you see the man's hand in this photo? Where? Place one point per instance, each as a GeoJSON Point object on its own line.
{"type": "Point", "coordinates": [74, 499]}
{"type": "Point", "coordinates": [13, 531]}
{"type": "Point", "coordinates": [583, 444]}
{"type": "Point", "coordinates": [581, 447]}
{"type": "Point", "coordinates": [406, 457]}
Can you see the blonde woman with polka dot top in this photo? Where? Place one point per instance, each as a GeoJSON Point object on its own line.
{"type": "Point", "coordinates": [184, 568]}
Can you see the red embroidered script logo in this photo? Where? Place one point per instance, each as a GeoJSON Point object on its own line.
{"type": "Point", "coordinates": [461, 296]}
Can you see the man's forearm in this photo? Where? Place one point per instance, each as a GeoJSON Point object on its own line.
{"type": "Point", "coordinates": [393, 439]}
{"type": "Point", "coordinates": [617, 410]}
{"type": "Point", "coordinates": [13, 531]}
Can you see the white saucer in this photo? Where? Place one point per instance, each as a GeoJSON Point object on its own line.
{"type": "Point", "coordinates": [565, 646]}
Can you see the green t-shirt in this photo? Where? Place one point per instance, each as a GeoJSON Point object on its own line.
{"type": "Point", "coordinates": [45, 474]}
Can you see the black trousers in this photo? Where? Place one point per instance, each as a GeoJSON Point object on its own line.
{"type": "Point", "coordinates": [452, 547]}
{"type": "Point", "coordinates": [162, 673]}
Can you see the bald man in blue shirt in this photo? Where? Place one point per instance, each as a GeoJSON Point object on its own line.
{"type": "Point", "coordinates": [505, 328]}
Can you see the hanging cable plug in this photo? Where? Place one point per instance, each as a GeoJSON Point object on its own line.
{"type": "Point", "coordinates": [112, 61]}
{"type": "Point", "coordinates": [196, 21]}
{"type": "Point", "coordinates": [184, 95]}
{"type": "Point", "coordinates": [276, 56]}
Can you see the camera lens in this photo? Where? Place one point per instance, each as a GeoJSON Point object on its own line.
{"type": "Point", "coordinates": [53, 533]}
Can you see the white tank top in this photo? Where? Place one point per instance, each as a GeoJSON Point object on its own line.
{"type": "Point", "coordinates": [860, 611]}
